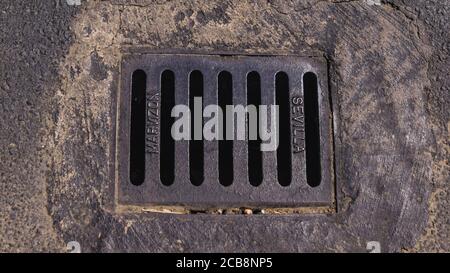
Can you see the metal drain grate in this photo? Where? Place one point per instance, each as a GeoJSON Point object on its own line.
{"type": "Point", "coordinates": [155, 169]}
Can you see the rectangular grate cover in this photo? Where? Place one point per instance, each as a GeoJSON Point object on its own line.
{"type": "Point", "coordinates": [154, 169]}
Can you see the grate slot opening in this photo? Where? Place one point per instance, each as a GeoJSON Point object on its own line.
{"type": "Point", "coordinates": [196, 157]}
{"type": "Point", "coordinates": [312, 133]}
{"type": "Point", "coordinates": [137, 130]}
{"type": "Point", "coordinates": [167, 143]}
{"type": "Point", "coordinates": [225, 97]}
{"type": "Point", "coordinates": [255, 164]}
{"type": "Point", "coordinates": [282, 98]}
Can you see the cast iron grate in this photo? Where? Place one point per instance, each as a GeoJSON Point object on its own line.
{"type": "Point", "coordinates": [155, 169]}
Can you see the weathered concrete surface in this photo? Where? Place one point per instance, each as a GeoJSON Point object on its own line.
{"type": "Point", "coordinates": [389, 73]}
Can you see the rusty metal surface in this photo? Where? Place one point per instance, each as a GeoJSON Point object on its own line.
{"type": "Point", "coordinates": [211, 192]}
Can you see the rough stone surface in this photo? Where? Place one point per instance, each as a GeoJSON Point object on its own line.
{"type": "Point", "coordinates": [389, 82]}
